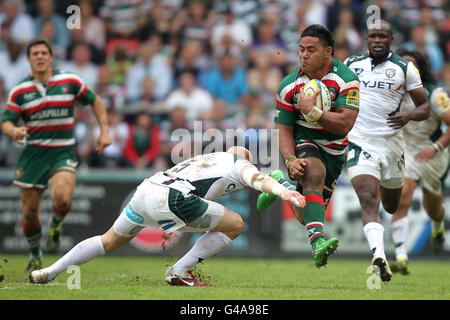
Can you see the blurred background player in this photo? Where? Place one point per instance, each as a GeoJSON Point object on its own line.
{"type": "Point", "coordinates": [375, 158]}
{"type": "Point", "coordinates": [181, 198]}
{"type": "Point", "coordinates": [426, 157]}
{"type": "Point", "coordinates": [45, 102]}
{"type": "Point", "coordinates": [314, 154]}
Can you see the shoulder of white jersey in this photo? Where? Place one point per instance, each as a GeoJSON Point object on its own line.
{"type": "Point", "coordinates": [439, 99]}
{"type": "Point", "coordinates": [355, 58]}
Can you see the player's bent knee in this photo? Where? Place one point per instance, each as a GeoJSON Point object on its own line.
{"type": "Point", "coordinates": [111, 241]}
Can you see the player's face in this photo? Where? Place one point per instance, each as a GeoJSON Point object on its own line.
{"type": "Point", "coordinates": [312, 54]}
{"type": "Point", "coordinates": [40, 58]}
{"type": "Point", "coordinates": [379, 42]}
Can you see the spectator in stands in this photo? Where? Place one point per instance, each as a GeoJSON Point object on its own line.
{"type": "Point", "coordinates": [125, 18]}
{"type": "Point", "coordinates": [273, 11]}
{"type": "Point", "coordinates": [264, 78]}
{"type": "Point", "coordinates": [290, 35]}
{"type": "Point", "coordinates": [143, 143]}
{"type": "Point", "coordinates": [5, 35]}
{"type": "Point", "coordinates": [22, 26]}
{"type": "Point", "coordinates": [444, 32]}
{"type": "Point", "coordinates": [197, 102]}
{"type": "Point", "coordinates": [333, 12]}
{"type": "Point", "coordinates": [346, 33]}
{"type": "Point", "coordinates": [341, 51]}
{"type": "Point", "coordinates": [181, 144]}
{"type": "Point", "coordinates": [228, 82]}
{"type": "Point", "coordinates": [112, 156]}
{"type": "Point", "coordinates": [14, 64]}
{"type": "Point", "coordinates": [159, 22]}
{"type": "Point", "coordinates": [112, 94]}
{"type": "Point", "coordinates": [148, 65]}
{"type": "Point", "coordinates": [48, 31]}
{"type": "Point", "coordinates": [315, 11]}
{"type": "Point", "coordinates": [231, 34]}
{"type": "Point", "coordinates": [191, 58]}
{"type": "Point", "coordinates": [244, 10]}
{"type": "Point", "coordinates": [192, 24]}
{"type": "Point", "coordinates": [147, 101]}
{"type": "Point", "coordinates": [266, 40]}
{"type": "Point", "coordinates": [80, 64]}
{"type": "Point", "coordinates": [46, 11]}
{"type": "Point", "coordinates": [432, 51]}
{"type": "Point", "coordinates": [92, 27]}
{"type": "Point", "coordinates": [119, 63]}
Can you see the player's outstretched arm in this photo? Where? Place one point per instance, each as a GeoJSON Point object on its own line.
{"type": "Point", "coordinates": [261, 182]}
{"type": "Point", "coordinates": [104, 139]}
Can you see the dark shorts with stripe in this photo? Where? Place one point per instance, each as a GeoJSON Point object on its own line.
{"type": "Point", "coordinates": [333, 165]}
{"type": "Point", "coordinates": [37, 165]}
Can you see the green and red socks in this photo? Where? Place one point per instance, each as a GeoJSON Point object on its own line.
{"type": "Point", "coordinates": [33, 235]}
{"type": "Point", "coordinates": [314, 216]}
{"type": "Point", "coordinates": [58, 216]}
{"type": "Point", "coordinates": [313, 213]}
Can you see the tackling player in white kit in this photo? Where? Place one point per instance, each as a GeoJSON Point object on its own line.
{"type": "Point", "coordinates": [427, 157]}
{"type": "Point", "coordinates": [375, 158]}
{"type": "Point", "coordinates": [181, 199]}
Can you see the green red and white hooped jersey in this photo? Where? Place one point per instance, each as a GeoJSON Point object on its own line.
{"type": "Point", "coordinates": [419, 134]}
{"type": "Point", "coordinates": [209, 176]}
{"type": "Point", "coordinates": [343, 85]}
{"type": "Point", "coordinates": [382, 89]}
{"type": "Point", "coordinates": [48, 110]}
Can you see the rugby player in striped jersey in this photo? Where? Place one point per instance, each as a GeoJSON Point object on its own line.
{"type": "Point", "coordinates": [314, 154]}
{"type": "Point", "coordinates": [45, 102]}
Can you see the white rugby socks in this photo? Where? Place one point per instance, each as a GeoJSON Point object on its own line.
{"type": "Point", "coordinates": [374, 234]}
{"type": "Point", "coordinates": [83, 252]}
{"type": "Point", "coordinates": [206, 246]}
{"type": "Point", "coordinates": [400, 230]}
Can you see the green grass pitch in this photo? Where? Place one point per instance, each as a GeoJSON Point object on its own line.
{"type": "Point", "coordinates": [142, 278]}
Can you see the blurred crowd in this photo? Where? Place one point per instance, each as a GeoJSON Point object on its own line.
{"type": "Point", "coordinates": [159, 65]}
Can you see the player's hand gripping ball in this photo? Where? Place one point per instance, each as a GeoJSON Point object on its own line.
{"type": "Point", "coordinates": [323, 101]}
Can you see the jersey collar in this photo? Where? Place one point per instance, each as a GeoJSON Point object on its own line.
{"type": "Point", "coordinates": [371, 59]}
{"type": "Point", "coordinates": [300, 72]}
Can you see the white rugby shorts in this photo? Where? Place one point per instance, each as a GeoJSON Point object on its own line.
{"type": "Point", "coordinates": [428, 175]}
{"type": "Point", "coordinates": [154, 205]}
{"type": "Point", "coordinates": [381, 157]}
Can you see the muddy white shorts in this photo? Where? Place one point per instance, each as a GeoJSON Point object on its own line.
{"type": "Point", "coordinates": [157, 206]}
{"type": "Point", "coordinates": [381, 157]}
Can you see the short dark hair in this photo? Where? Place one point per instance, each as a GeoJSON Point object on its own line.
{"type": "Point", "coordinates": [38, 41]}
{"type": "Point", "coordinates": [321, 32]}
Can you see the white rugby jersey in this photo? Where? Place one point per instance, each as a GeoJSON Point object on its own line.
{"type": "Point", "coordinates": [209, 176]}
{"type": "Point", "coordinates": [419, 134]}
{"type": "Point", "coordinates": [382, 89]}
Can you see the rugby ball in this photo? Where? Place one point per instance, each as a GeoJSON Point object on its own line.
{"type": "Point", "coordinates": [323, 101]}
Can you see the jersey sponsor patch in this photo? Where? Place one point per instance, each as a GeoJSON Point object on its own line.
{"type": "Point", "coordinates": [353, 98]}
{"type": "Point", "coordinates": [133, 215]}
{"type": "Point", "coordinates": [444, 101]}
